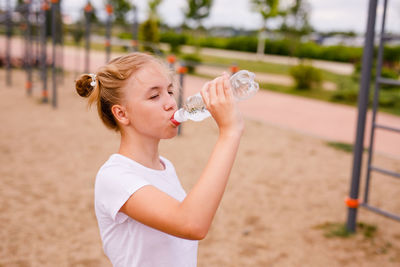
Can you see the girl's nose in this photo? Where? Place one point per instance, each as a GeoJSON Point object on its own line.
{"type": "Point", "coordinates": [170, 103]}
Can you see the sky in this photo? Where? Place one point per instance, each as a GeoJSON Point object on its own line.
{"type": "Point", "coordinates": [326, 15]}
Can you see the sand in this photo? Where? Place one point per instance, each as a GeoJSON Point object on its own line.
{"type": "Point", "coordinates": [284, 185]}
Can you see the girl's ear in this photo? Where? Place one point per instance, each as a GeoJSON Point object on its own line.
{"type": "Point", "coordinates": [120, 114]}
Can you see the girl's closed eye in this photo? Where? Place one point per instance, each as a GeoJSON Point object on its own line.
{"type": "Point", "coordinates": [154, 96]}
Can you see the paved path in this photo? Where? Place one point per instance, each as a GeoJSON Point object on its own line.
{"type": "Point", "coordinates": [324, 120]}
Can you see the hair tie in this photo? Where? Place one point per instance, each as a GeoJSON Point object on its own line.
{"type": "Point", "coordinates": [93, 82]}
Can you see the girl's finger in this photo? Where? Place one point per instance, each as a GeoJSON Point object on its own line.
{"type": "Point", "coordinates": [212, 91]}
{"type": "Point", "coordinates": [220, 87]}
{"type": "Point", "coordinates": [205, 93]}
{"type": "Point", "coordinates": [227, 88]}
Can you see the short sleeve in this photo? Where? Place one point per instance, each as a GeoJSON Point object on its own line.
{"type": "Point", "coordinates": [114, 186]}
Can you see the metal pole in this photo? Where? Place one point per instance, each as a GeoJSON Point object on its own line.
{"type": "Point", "coordinates": [28, 48]}
{"type": "Point", "coordinates": [8, 42]}
{"type": "Point", "coordinates": [43, 32]}
{"type": "Point", "coordinates": [109, 11]}
{"type": "Point", "coordinates": [134, 28]}
{"type": "Point", "coordinates": [376, 98]}
{"type": "Point", "coordinates": [88, 12]}
{"type": "Point", "coordinates": [54, 4]}
{"type": "Point", "coordinates": [181, 70]}
{"type": "Point", "coordinates": [362, 111]}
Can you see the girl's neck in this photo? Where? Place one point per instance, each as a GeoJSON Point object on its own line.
{"type": "Point", "coordinates": [141, 149]}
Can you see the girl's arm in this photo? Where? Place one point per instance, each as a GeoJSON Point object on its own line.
{"type": "Point", "coordinates": [192, 217]}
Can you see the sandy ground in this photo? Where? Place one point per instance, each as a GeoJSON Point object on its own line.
{"type": "Point", "coordinates": [283, 186]}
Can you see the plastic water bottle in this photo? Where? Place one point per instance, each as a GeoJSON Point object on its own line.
{"type": "Point", "coordinates": [243, 87]}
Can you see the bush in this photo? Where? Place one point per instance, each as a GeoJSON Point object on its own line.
{"type": "Point", "coordinates": [242, 43]}
{"type": "Point", "coordinates": [306, 77]}
{"type": "Point", "coordinates": [175, 40]}
{"type": "Point", "coordinates": [191, 61]}
{"type": "Point", "coordinates": [149, 34]}
{"type": "Point", "coordinates": [386, 72]}
{"type": "Point", "coordinates": [347, 96]}
{"type": "Point", "coordinates": [125, 35]}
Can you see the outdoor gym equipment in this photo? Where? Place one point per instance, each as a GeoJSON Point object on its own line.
{"type": "Point", "coordinates": [352, 201]}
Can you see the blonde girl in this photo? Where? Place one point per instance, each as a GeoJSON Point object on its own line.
{"type": "Point", "coordinates": [144, 216]}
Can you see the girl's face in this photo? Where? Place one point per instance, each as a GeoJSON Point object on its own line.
{"type": "Point", "coordinates": [150, 102]}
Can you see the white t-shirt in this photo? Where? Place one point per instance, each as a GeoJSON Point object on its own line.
{"type": "Point", "coordinates": [127, 242]}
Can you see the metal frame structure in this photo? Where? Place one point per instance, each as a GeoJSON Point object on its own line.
{"type": "Point", "coordinates": [368, 55]}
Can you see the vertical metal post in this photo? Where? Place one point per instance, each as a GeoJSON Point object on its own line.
{"type": "Point", "coordinates": [54, 37]}
{"type": "Point", "coordinates": [181, 70]}
{"type": "Point", "coordinates": [134, 28]}
{"type": "Point", "coordinates": [28, 51]}
{"type": "Point", "coordinates": [109, 11]}
{"type": "Point", "coordinates": [88, 13]}
{"type": "Point", "coordinates": [362, 111]}
{"type": "Point", "coordinates": [8, 42]}
{"type": "Point", "coordinates": [376, 100]}
{"type": "Point", "coordinates": [43, 59]}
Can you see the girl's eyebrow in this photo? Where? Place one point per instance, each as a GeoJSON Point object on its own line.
{"type": "Point", "coordinates": [158, 87]}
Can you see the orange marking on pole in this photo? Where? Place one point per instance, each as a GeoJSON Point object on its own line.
{"type": "Point", "coordinates": [107, 43]}
{"type": "Point", "coordinates": [44, 93]}
{"type": "Point", "coordinates": [134, 43]}
{"type": "Point", "coordinates": [352, 203]}
{"type": "Point", "coordinates": [88, 8]}
{"type": "Point", "coordinates": [182, 70]}
{"type": "Point", "coordinates": [109, 9]}
{"type": "Point", "coordinates": [28, 85]}
{"type": "Point", "coordinates": [54, 1]}
{"type": "Point", "coordinates": [45, 6]}
{"type": "Point", "coordinates": [234, 68]}
{"type": "Point", "coordinates": [171, 59]}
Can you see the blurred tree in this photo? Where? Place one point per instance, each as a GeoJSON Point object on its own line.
{"type": "Point", "coordinates": [296, 23]}
{"type": "Point", "coordinates": [149, 30]}
{"type": "Point", "coordinates": [121, 8]}
{"type": "Point", "coordinates": [268, 9]}
{"type": "Point", "coordinates": [197, 10]}
{"type": "Point", "coordinates": [296, 19]}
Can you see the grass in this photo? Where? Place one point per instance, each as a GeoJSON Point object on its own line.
{"type": "Point", "coordinates": [343, 146]}
{"type": "Point", "coordinates": [332, 230]}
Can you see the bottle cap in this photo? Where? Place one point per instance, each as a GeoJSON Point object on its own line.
{"type": "Point", "coordinates": [177, 123]}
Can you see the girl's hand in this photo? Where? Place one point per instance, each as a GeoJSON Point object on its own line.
{"type": "Point", "coordinates": [220, 102]}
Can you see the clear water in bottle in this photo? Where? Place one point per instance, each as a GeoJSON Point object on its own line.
{"type": "Point", "coordinates": [243, 87]}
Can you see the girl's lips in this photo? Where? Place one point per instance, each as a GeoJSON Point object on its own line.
{"type": "Point", "coordinates": [176, 123]}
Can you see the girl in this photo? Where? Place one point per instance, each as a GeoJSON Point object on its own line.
{"type": "Point", "coordinates": [144, 216]}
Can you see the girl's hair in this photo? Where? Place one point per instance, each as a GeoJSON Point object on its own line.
{"type": "Point", "coordinates": [108, 83]}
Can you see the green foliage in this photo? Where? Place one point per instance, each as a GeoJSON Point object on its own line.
{"type": "Point", "coordinates": [153, 5]}
{"type": "Point", "coordinates": [267, 8]}
{"type": "Point", "coordinates": [242, 43]}
{"type": "Point", "coordinates": [120, 9]}
{"type": "Point", "coordinates": [125, 35]}
{"type": "Point", "coordinates": [149, 34]}
{"type": "Point", "coordinates": [174, 40]}
{"type": "Point", "coordinates": [345, 96]}
{"type": "Point", "coordinates": [275, 47]}
{"type": "Point", "coordinates": [386, 72]}
{"type": "Point", "coordinates": [296, 20]}
{"type": "Point", "coordinates": [306, 77]}
{"type": "Point", "coordinates": [197, 10]}
{"type": "Point", "coordinates": [191, 61]}
{"type": "Point", "coordinates": [391, 55]}
{"type": "Point", "coordinates": [77, 33]}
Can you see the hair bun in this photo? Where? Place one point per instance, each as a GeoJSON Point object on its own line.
{"type": "Point", "coordinates": [83, 86]}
